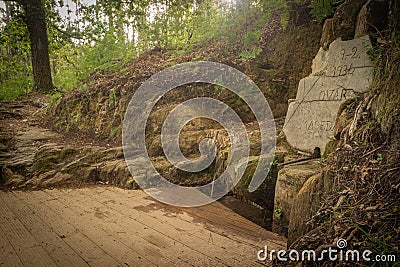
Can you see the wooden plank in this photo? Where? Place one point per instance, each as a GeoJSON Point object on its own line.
{"type": "Point", "coordinates": [105, 221]}
{"type": "Point", "coordinates": [108, 226]}
{"type": "Point", "coordinates": [118, 251]}
{"type": "Point", "coordinates": [233, 225]}
{"type": "Point", "coordinates": [93, 254]}
{"type": "Point", "coordinates": [212, 244]}
{"type": "Point", "coordinates": [169, 214]}
{"type": "Point", "coordinates": [57, 249]}
{"type": "Point", "coordinates": [29, 251]}
{"type": "Point", "coordinates": [254, 235]}
{"type": "Point", "coordinates": [8, 256]}
{"type": "Point", "coordinates": [139, 236]}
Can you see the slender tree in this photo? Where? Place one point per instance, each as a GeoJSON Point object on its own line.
{"type": "Point", "coordinates": [36, 22]}
{"type": "Point", "coordinates": [35, 19]}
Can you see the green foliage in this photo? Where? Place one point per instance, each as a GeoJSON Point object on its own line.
{"type": "Point", "coordinates": [107, 35]}
{"type": "Point", "coordinates": [379, 158]}
{"type": "Point", "coordinates": [251, 39]}
{"type": "Point", "coordinates": [13, 88]}
{"type": "Point", "coordinates": [278, 212]}
{"type": "Point", "coordinates": [15, 77]}
{"type": "Point", "coordinates": [208, 23]}
{"type": "Point", "coordinates": [113, 131]}
{"type": "Point", "coordinates": [107, 53]}
{"type": "Point", "coordinates": [284, 17]}
{"type": "Point", "coordinates": [386, 78]}
{"type": "Point", "coordinates": [74, 64]}
{"type": "Point", "coordinates": [15, 69]}
{"type": "Point", "coordinates": [373, 52]}
{"type": "Point", "coordinates": [321, 9]}
{"type": "Point", "coordinates": [68, 127]}
{"type": "Point", "coordinates": [218, 89]}
{"type": "Point", "coordinates": [240, 24]}
{"type": "Point", "coordinates": [246, 55]}
{"type": "Point", "coordinates": [66, 66]}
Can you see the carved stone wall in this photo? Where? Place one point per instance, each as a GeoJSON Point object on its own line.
{"type": "Point", "coordinates": [342, 72]}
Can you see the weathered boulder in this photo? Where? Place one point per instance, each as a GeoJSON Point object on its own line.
{"type": "Point", "coordinates": [306, 204]}
{"type": "Point", "coordinates": [188, 143]}
{"type": "Point", "coordinates": [48, 156]}
{"type": "Point", "coordinates": [25, 145]}
{"type": "Point", "coordinates": [289, 182]}
{"type": "Point", "coordinates": [117, 173]}
{"type": "Point", "coordinates": [57, 179]}
{"type": "Point", "coordinates": [341, 73]}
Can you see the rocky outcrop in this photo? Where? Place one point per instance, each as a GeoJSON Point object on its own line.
{"type": "Point", "coordinates": [263, 196]}
{"type": "Point", "coordinates": [372, 17]}
{"type": "Point", "coordinates": [289, 182]}
{"type": "Point", "coordinates": [278, 72]}
{"type": "Point", "coordinates": [343, 23]}
{"type": "Point", "coordinates": [55, 165]}
{"type": "Point", "coordinates": [97, 109]}
{"type": "Point", "coordinates": [36, 157]}
{"type": "Point", "coordinates": [306, 204]}
{"type": "Point", "coordinates": [341, 71]}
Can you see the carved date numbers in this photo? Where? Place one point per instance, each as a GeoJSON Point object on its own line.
{"type": "Point", "coordinates": [343, 70]}
{"type": "Point", "coordinates": [348, 54]}
{"type": "Point", "coordinates": [319, 126]}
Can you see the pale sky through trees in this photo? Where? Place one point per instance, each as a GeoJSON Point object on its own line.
{"type": "Point", "coordinates": [64, 10]}
{"type": "Point", "coordinates": [72, 7]}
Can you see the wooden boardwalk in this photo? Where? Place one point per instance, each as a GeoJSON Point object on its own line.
{"type": "Point", "coordinates": [108, 226]}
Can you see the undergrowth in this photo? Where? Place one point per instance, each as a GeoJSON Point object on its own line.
{"type": "Point", "coordinates": [13, 88]}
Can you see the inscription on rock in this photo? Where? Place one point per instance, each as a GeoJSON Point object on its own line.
{"type": "Point", "coordinates": [338, 74]}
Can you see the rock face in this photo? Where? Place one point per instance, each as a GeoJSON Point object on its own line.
{"type": "Point", "coordinates": [343, 22]}
{"type": "Point", "coordinates": [32, 156]}
{"type": "Point", "coordinates": [340, 73]}
{"type": "Point", "coordinates": [290, 180]}
{"type": "Point", "coordinates": [307, 203]}
{"type": "Point", "coordinates": [373, 16]}
{"type": "Point", "coordinates": [54, 165]}
{"type": "Point", "coordinates": [263, 197]}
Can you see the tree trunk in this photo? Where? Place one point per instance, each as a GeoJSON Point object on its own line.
{"type": "Point", "coordinates": [7, 20]}
{"type": "Point", "coordinates": [36, 23]}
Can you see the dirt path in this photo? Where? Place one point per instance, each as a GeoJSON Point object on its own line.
{"type": "Point", "coordinates": [108, 226]}
{"type": "Point", "coordinates": [20, 133]}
